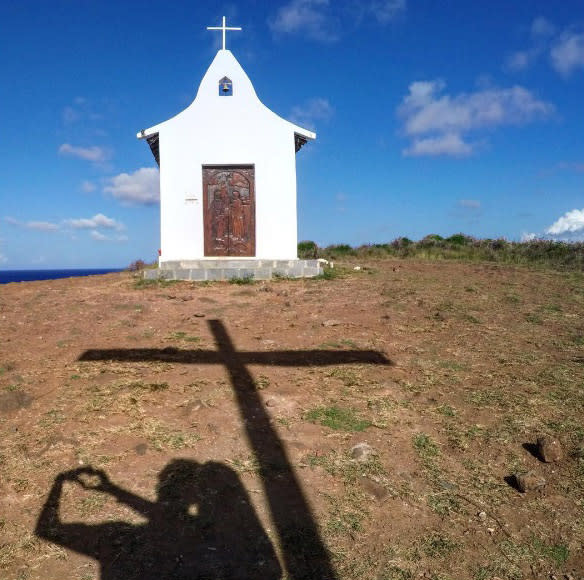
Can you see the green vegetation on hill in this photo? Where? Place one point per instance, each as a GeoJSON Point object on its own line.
{"type": "Point", "coordinates": [549, 253]}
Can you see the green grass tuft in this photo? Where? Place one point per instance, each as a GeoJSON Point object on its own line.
{"type": "Point", "coordinates": [425, 447]}
{"type": "Point", "coordinates": [242, 280]}
{"type": "Point", "coordinates": [328, 274]}
{"type": "Point", "coordinates": [337, 418]}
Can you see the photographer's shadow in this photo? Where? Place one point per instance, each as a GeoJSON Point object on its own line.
{"type": "Point", "coordinates": [202, 526]}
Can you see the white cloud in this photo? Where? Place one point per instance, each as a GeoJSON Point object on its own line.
{"type": "Point", "coordinates": [81, 111]}
{"type": "Point", "coordinates": [386, 10]}
{"type": "Point", "coordinates": [97, 221]}
{"type": "Point", "coordinates": [94, 154]}
{"type": "Point", "coordinates": [576, 166]}
{"type": "Point", "coordinates": [469, 203]}
{"type": "Point", "coordinates": [42, 226]}
{"type": "Point", "coordinates": [568, 227]}
{"type": "Point", "coordinates": [571, 222]}
{"type": "Point", "coordinates": [437, 122]}
{"type": "Point", "coordinates": [520, 60]}
{"type": "Point", "coordinates": [383, 11]}
{"type": "Point", "coordinates": [313, 110]}
{"type": "Point", "coordinates": [567, 53]}
{"type": "Point", "coordinates": [87, 186]}
{"type": "Point", "coordinates": [541, 27]}
{"type": "Point", "coordinates": [322, 20]}
{"type": "Point", "coordinates": [541, 31]}
{"type": "Point", "coordinates": [447, 144]}
{"type": "Point", "coordinates": [141, 187]}
{"type": "Point", "coordinates": [94, 223]}
{"type": "Point", "coordinates": [306, 17]}
{"type": "Point", "coordinates": [565, 50]}
{"type": "Point", "coordinates": [98, 236]}
{"type": "Point", "coordinates": [424, 109]}
{"type": "Point", "coordinates": [70, 115]}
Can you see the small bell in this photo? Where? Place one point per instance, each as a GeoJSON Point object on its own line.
{"type": "Point", "coordinates": [225, 88]}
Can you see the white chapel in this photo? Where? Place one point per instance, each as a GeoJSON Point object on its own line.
{"type": "Point", "coordinates": [228, 182]}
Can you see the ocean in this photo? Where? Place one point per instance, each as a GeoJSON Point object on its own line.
{"type": "Point", "coordinates": [7, 276]}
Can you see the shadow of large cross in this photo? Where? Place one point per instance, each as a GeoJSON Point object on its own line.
{"type": "Point", "coordinates": [304, 553]}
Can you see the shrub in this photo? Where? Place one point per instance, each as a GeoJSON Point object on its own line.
{"type": "Point", "coordinates": [400, 243]}
{"type": "Point", "coordinates": [431, 240]}
{"type": "Point", "coordinates": [339, 250]}
{"type": "Point", "coordinates": [307, 250]}
{"type": "Point", "coordinates": [136, 266]}
{"type": "Point", "coordinates": [460, 240]}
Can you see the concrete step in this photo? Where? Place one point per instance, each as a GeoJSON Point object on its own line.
{"type": "Point", "coordinates": [227, 269]}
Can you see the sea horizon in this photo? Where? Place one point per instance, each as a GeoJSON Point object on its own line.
{"type": "Point", "coordinates": [35, 275]}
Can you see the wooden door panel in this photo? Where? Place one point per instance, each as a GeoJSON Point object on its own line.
{"type": "Point", "coordinates": [229, 210]}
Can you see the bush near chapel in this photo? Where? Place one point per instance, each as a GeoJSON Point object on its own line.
{"type": "Point", "coordinates": [307, 250]}
{"type": "Point", "coordinates": [136, 266]}
{"type": "Point", "coordinates": [547, 253]}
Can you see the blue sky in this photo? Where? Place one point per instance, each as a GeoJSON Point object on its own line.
{"type": "Point", "coordinates": [432, 117]}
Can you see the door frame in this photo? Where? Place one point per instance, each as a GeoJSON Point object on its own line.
{"type": "Point", "coordinates": [209, 250]}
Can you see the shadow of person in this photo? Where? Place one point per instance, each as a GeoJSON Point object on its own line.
{"type": "Point", "coordinates": [202, 526]}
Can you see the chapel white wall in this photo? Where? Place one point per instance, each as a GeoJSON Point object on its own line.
{"type": "Point", "coordinates": [230, 130]}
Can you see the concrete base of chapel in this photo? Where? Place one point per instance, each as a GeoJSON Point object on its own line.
{"type": "Point", "coordinates": [213, 269]}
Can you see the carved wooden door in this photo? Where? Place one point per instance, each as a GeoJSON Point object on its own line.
{"type": "Point", "coordinates": [229, 210]}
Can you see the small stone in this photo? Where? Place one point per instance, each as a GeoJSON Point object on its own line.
{"type": "Point", "coordinates": [357, 268]}
{"type": "Point", "coordinates": [141, 448]}
{"type": "Point", "coordinates": [270, 403]}
{"type": "Point", "coordinates": [446, 484]}
{"type": "Point", "coordinates": [529, 481]}
{"type": "Point", "coordinates": [491, 531]}
{"type": "Point", "coordinates": [375, 489]}
{"type": "Point", "coordinates": [362, 452]}
{"type": "Point", "coordinates": [199, 315]}
{"type": "Point", "coordinates": [482, 516]}
{"type": "Point", "coordinates": [549, 449]}
{"type": "Point", "coordinates": [331, 322]}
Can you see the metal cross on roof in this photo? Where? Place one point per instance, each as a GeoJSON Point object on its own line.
{"type": "Point", "coordinates": [223, 28]}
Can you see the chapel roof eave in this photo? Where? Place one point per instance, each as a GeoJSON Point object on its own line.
{"type": "Point", "coordinates": [152, 137]}
{"type": "Point", "coordinates": [145, 133]}
{"type": "Point", "coordinates": [309, 135]}
{"type": "Point", "coordinates": [301, 137]}
{"type": "Point", "coordinates": [153, 143]}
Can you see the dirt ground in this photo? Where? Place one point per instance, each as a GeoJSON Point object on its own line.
{"type": "Point", "coordinates": [208, 431]}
